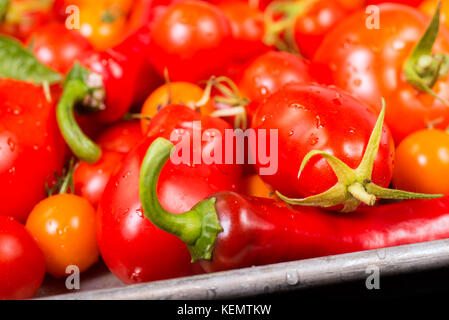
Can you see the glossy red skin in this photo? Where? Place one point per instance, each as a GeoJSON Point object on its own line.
{"type": "Point", "coordinates": [248, 29]}
{"type": "Point", "coordinates": [136, 47]}
{"type": "Point", "coordinates": [31, 147]}
{"type": "Point", "coordinates": [313, 117]}
{"type": "Point", "coordinates": [369, 64]}
{"type": "Point", "coordinates": [311, 27]}
{"type": "Point", "coordinates": [121, 137]}
{"type": "Point", "coordinates": [116, 141]}
{"type": "Point", "coordinates": [131, 246]}
{"type": "Point", "coordinates": [57, 47]}
{"type": "Point", "coordinates": [192, 40]}
{"type": "Point", "coordinates": [22, 263]}
{"type": "Point", "coordinates": [270, 71]}
{"type": "Point", "coordinates": [259, 231]}
{"type": "Point", "coordinates": [91, 179]}
{"type": "Point", "coordinates": [127, 74]}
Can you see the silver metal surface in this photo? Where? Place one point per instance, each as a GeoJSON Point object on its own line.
{"type": "Point", "coordinates": [284, 276]}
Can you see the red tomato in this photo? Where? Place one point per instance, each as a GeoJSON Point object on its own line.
{"type": "Point", "coordinates": [311, 26]}
{"type": "Point", "coordinates": [312, 117]}
{"type": "Point", "coordinates": [270, 71]}
{"type": "Point", "coordinates": [192, 40]}
{"type": "Point", "coordinates": [248, 29]}
{"type": "Point", "coordinates": [121, 137]}
{"type": "Point", "coordinates": [22, 263]}
{"type": "Point", "coordinates": [57, 47]}
{"type": "Point", "coordinates": [31, 146]}
{"type": "Point", "coordinates": [369, 63]}
{"type": "Point", "coordinates": [90, 179]}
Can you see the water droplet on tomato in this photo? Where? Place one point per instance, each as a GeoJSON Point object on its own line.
{"type": "Point", "coordinates": [11, 144]}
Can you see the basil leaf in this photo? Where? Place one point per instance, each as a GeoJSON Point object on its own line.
{"type": "Point", "coordinates": [18, 63]}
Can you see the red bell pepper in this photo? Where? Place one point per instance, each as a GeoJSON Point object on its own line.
{"type": "Point", "coordinates": [131, 246]}
{"type": "Point", "coordinates": [229, 231]}
{"type": "Point", "coordinates": [107, 82]}
{"type": "Point", "coordinates": [31, 147]}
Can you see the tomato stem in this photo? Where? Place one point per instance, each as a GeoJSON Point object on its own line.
{"type": "Point", "coordinates": [423, 69]}
{"type": "Point", "coordinates": [198, 227]}
{"type": "Point", "coordinates": [354, 186]}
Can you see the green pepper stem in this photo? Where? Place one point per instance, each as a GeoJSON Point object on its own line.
{"type": "Point", "coordinates": [197, 227]}
{"type": "Point", "coordinates": [82, 146]}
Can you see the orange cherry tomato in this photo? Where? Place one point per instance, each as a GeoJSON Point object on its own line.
{"type": "Point", "coordinates": [103, 25]}
{"type": "Point", "coordinates": [64, 228]}
{"type": "Point", "coordinates": [253, 185]}
{"type": "Point", "coordinates": [422, 162]}
{"type": "Point", "coordinates": [185, 93]}
{"type": "Point", "coordinates": [429, 6]}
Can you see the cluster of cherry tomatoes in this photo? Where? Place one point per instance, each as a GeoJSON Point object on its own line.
{"type": "Point", "coordinates": [221, 59]}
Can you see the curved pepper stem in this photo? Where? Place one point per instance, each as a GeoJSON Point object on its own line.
{"type": "Point", "coordinates": [76, 90]}
{"type": "Point", "coordinates": [354, 186]}
{"type": "Point", "coordinates": [423, 69]}
{"type": "Point", "coordinates": [198, 227]}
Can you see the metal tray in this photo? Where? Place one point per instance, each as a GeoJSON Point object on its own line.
{"type": "Point", "coordinates": [101, 284]}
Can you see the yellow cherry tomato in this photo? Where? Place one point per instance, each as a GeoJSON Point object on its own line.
{"type": "Point", "coordinates": [64, 228]}
{"type": "Point", "coordinates": [103, 25]}
{"type": "Point", "coordinates": [185, 93]}
{"type": "Point", "coordinates": [422, 162]}
{"type": "Point", "coordinates": [253, 185]}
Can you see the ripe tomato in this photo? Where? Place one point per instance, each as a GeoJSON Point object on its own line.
{"type": "Point", "coordinates": [192, 40]}
{"type": "Point", "coordinates": [103, 25]}
{"type": "Point", "coordinates": [422, 162]}
{"type": "Point", "coordinates": [22, 263]}
{"type": "Point", "coordinates": [429, 6]}
{"type": "Point", "coordinates": [185, 93]}
{"type": "Point", "coordinates": [116, 141]}
{"type": "Point", "coordinates": [64, 228]}
{"type": "Point", "coordinates": [248, 29]}
{"type": "Point", "coordinates": [57, 47]}
{"type": "Point", "coordinates": [270, 71]}
{"type": "Point", "coordinates": [120, 137]}
{"type": "Point", "coordinates": [312, 25]}
{"type": "Point", "coordinates": [369, 63]}
{"type": "Point", "coordinates": [312, 117]}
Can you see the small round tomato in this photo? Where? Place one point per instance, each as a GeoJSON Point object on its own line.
{"type": "Point", "coordinates": [116, 141]}
{"type": "Point", "coordinates": [422, 162]}
{"type": "Point", "coordinates": [311, 26]}
{"type": "Point", "coordinates": [91, 179]}
{"type": "Point", "coordinates": [248, 29]}
{"type": "Point", "coordinates": [185, 93]}
{"type": "Point", "coordinates": [270, 71]}
{"type": "Point", "coordinates": [64, 228]}
{"type": "Point", "coordinates": [57, 47]}
{"type": "Point", "coordinates": [22, 263]}
{"type": "Point", "coordinates": [192, 40]}
{"type": "Point", "coordinates": [120, 137]}
{"type": "Point", "coordinates": [104, 26]}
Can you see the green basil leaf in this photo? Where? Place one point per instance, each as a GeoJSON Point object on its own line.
{"type": "Point", "coordinates": [18, 63]}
